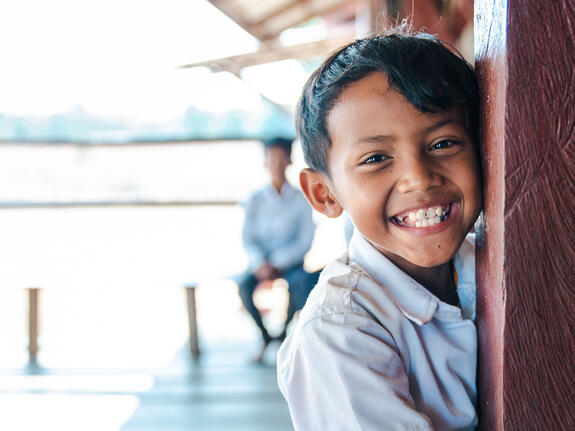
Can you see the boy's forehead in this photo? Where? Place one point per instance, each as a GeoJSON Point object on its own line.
{"type": "Point", "coordinates": [371, 108]}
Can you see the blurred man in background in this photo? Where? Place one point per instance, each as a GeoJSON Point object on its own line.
{"type": "Point", "coordinates": [277, 233]}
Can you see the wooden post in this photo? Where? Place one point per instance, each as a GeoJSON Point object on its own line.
{"type": "Point", "coordinates": [33, 323]}
{"type": "Point", "coordinates": [525, 58]}
{"type": "Point", "coordinates": [192, 319]}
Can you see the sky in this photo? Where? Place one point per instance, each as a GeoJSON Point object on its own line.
{"type": "Point", "coordinates": [121, 57]}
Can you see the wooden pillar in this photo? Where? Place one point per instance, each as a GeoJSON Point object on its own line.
{"type": "Point", "coordinates": [525, 58]}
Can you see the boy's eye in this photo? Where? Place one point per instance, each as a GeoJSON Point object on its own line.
{"type": "Point", "coordinates": [376, 158]}
{"type": "Point", "coordinates": [441, 145]}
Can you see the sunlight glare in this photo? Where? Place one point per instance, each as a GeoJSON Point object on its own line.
{"type": "Point", "coordinates": [110, 57]}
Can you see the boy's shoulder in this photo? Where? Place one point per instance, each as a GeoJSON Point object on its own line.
{"type": "Point", "coordinates": [346, 288]}
{"type": "Point", "coordinates": [345, 303]}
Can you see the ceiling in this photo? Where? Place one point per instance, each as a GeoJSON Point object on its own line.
{"type": "Point", "coordinates": [266, 20]}
{"type": "Point", "coordinates": [343, 21]}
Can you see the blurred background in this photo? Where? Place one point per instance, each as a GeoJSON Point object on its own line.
{"type": "Point", "coordinates": [129, 134]}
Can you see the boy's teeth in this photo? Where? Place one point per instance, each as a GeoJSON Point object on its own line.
{"type": "Point", "coordinates": [425, 217]}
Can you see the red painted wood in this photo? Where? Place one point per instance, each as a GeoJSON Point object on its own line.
{"type": "Point", "coordinates": [490, 42]}
{"type": "Point", "coordinates": [525, 54]}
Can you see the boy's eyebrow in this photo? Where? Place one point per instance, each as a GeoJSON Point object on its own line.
{"type": "Point", "coordinates": [433, 127]}
{"type": "Point", "coordinates": [441, 124]}
{"type": "Point", "coordinates": [375, 138]}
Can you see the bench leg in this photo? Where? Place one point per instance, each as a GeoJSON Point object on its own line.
{"type": "Point", "coordinates": [33, 323]}
{"type": "Point", "coordinates": [192, 321]}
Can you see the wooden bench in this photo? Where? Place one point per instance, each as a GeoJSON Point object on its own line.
{"type": "Point", "coordinates": [33, 306]}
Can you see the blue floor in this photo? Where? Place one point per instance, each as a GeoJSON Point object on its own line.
{"type": "Point", "coordinates": [221, 391]}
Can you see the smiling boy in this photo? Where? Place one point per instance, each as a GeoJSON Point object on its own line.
{"type": "Point", "coordinates": [387, 340]}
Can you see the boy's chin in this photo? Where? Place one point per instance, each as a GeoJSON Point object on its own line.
{"type": "Point", "coordinates": [429, 259]}
{"type": "Point", "coordinates": [430, 263]}
{"type": "Point", "coordinates": [428, 255]}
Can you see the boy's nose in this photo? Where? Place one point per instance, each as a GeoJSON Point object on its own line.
{"type": "Point", "coordinates": [416, 175]}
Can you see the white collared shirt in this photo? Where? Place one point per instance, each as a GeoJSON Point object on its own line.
{"type": "Point", "coordinates": [375, 350]}
{"type": "Point", "coordinates": [278, 228]}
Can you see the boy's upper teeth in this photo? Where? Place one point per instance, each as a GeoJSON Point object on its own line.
{"type": "Point", "coordinates": [429, 213]}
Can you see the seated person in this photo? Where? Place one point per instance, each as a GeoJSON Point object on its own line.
{"type": "Point", "coordinates": [277, 233]}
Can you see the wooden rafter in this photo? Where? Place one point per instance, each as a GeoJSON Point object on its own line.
{"type": "Point", "coordinates": [264, 28]}
{"type": "Point", "coordinates": [235, 14]}
{"type": "Point", "coordinates": [279, 11]}
{"type": "Point", "coordinates": [311, 12]}
{"type": "Point", "coordinates": [268, 54]}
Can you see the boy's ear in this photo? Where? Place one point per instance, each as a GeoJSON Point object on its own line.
{"type": "Point", "coordinates": [317, 189]}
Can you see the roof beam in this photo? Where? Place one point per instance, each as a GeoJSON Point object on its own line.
{"type": "Point", "coordinates": [280, 11]}
{"type": "Point", "coordinates": [261, 28]}
{"type": "Point", "coordinates": [235, 14]}
{"type": "Point", "coordinates": [269, 54]}
{"type": "Point", "coordinates": [309, 13]}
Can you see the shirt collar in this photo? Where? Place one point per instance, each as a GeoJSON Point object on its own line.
{"type": "Point", "coordinates": [285, 191]}
{"type": "Point", "coordinates": [464, 262]}
{"type": "Point", "coordinates": [415, 302]}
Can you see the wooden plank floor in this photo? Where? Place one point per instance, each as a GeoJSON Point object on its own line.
{"type": "Point", "coordinates": [220, 392]}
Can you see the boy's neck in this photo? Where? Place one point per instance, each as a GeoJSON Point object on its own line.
{"type": "Point", "coordinates": [439, 280]}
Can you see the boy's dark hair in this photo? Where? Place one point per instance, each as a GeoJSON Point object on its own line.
{"type": "Point", "coordinates": [283, 143]}
{"type": "Point", "coordinates": [418, 66]}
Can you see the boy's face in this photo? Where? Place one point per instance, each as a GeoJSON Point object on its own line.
{"type": "Point", "coordinates": [391, 165]}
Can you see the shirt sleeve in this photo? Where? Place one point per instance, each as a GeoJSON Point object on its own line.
{"type": "Point", "coordinates": [295, 250]}
{"type": "Point", "coordinates": [344, 373]}
{"type": "Point", "coordinates": [255, 254]}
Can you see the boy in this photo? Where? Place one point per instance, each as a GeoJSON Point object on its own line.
{"type": "Point", "coordinates": [277, 233]}
{"type": "Point", "coordinates": [387, 339]}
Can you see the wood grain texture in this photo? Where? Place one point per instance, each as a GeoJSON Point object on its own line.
{"type": "Point", "coordinates": [539, 212]}
{"type": "Point", "coordinates": [532, 305]}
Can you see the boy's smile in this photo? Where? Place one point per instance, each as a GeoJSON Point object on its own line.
{"type": "Point", "coordinates": [410, 181]}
